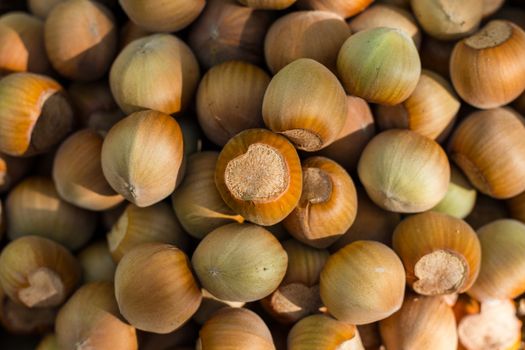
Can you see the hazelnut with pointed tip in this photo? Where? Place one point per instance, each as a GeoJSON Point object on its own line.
{"type": "Point", "coordinates": [142, 157]}
{"type": "Point", "coordinates": [156, 72]}
{"type": "Point", "coordinates": [228, 268]}
{"type": "Point", "coordinates": [379, 272]}
{"type": "Point", "coordinates": [404, 172]}
{"type": "Point", "coordinates": [380, 65]}
{"type": "Point", "coordinates": [169, 297]}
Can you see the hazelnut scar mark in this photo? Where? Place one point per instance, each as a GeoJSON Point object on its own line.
{"type": "Point", "coordinates": [45, 289]}
{"type": "Point", "coordinates": [260, 174]}
{"type": "Point", "coordinates": [304, 139]}
{"type": "Point", "coordinates": [317, 186]}
{"type": "Point", "coordinates": [440, 272]}
{"type": "Point", "coordinates": [493, 34]}
{"type": "Point", "coordinates": [317, 189]}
